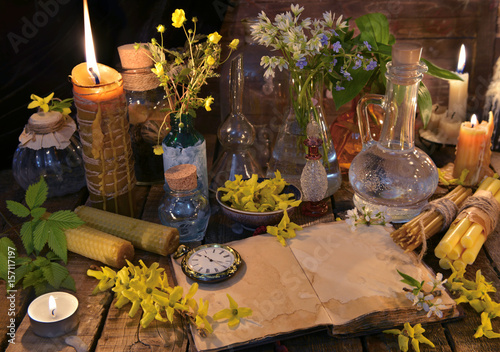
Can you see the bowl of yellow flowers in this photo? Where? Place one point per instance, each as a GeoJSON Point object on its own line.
{"type": "Point", "coordinates": [258, 201]}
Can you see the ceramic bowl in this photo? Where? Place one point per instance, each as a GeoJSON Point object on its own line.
{"type": "Point", "coordinates": [253, 219]}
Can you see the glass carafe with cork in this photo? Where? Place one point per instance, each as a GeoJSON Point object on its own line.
{"type": "Point", "coordinates": [184, 205]}
{"type": "Point", "coordinates": [392, 172]}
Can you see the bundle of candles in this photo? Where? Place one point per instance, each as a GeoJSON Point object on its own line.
{"type": "Point", "coordinates": [468, 232]}
{"type": "Point", "coordinates": [430, 221]}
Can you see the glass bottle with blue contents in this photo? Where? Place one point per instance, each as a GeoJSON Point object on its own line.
{"type": "Point", "coordinates": [184, 205]}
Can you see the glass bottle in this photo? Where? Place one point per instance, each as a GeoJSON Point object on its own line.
{"type": "Point", "coordinates": [184, 205]}
{"type": "Point", "coordinates": [49, 148]}
{"type": "Point", "coordinates": [236, 135]}
{"type": "Point", "coordinates": [313, 179]}
{"type": "Point", "coordinates": [392, 172]}
{"type": "Point", "coordinates": [185, 145]}
{"type": "Point", "coordinates": [306, 103]}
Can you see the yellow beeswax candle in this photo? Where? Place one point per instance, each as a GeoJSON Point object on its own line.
{"type": "Point", "coordinates": [471, 235]}
{"type": "Point", "coordinates": [459, 264]}
{"type": "Point", "coordinates": [473, 151]}
{"type": "Point", "coordinates": [445, 263]}
{"type": "Point", "coordinates": [451, 238]}
{"type": "Point", "coordinates": [470, 254]}
{"type": "Point", "coordinates": [455, 252]}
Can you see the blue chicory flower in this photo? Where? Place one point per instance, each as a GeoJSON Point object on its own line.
{"type": "Point", "coordinates": [368, 46]}
{"type": "Point", "coordinates": [324, 40]}
{"type": "Point", "coordinates": [346, 74]}
{"type": "Point", "coordinates": [357, 64]}
{"type": "Point", "coordinates": [338, 87]}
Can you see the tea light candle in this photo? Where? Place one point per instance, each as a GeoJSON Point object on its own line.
{"type": "Point", "coordinates": [473, 150]}
{"type": "Point", "coordinates": [457, 98]}
{"type": "Point", "coordinates": [53, 314]}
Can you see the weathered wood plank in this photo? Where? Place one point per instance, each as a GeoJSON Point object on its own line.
{"type": "Point", "coordinates": [92, 312]}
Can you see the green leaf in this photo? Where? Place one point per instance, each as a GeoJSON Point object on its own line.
{"type": "Point", "coordinates": [40, 235]}
{"type": "Point", "coordinates": [352, 88]}
{"type": "Point", "coordinates": [65, 219]}
{"type": "Point", "coordinates": [38, 212]}
{"type": "Point", "coordinates": [41, 288]}
{"type": "Point", "coordinates": [6, 246]}
{"type": "Point", "coordinates": [27, 236]}
{"type": "Point", "coordinates": [439, 72]}
{"type": "Point", "coordinates": [55, 273]}
{"type": "Point", "coordinates": [69, 283]}
{"type": "Point", "coordinates": [37, 194]}
{"type": "Point", "coordinates": [18, 209]}
{"type": "Point", "coordinates": [23, 260]}
{"type": "Point", "coordinates": [22, 271]}
{"type": "Point", "coordinates": [32, 278]}
{"type": "Point", "coordinates": [407, 279]}
{"type": "Point", "coordinates": [56, 239]}
{"type": "Point", "coordinates": [41, 261]}
{"type": "Point", "coordinates": [374, 28]}
{"type": "Point", "coordinates": [424, 102]}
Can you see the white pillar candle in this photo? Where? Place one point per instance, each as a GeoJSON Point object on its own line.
{"type": "Point", "coordinates": [457, 99]}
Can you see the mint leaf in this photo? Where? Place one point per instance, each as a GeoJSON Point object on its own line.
{"type": "Point", "coordinates": [41, 287]}
{"type": "Point", "coordinates": [23, 260]}
{"type": "Point", "coordinates": [65, 219]}
{"type": "Point", "coordinates": [27, 236]}
{"type": "Point", "coordinates": [38, 212]}
{"type": "Point", "coordinates": [36, 194]}
{"type": "Point", "coordinates": [69, 283]}
{"type": "Point", "coordinates": [56, 239]}
{"type": "Point", "coordinates": [40, 235]}
{"type": "Point", "coordinates": [17, 209]}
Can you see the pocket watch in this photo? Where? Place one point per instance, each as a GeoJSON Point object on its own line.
{"type": "Point", "coordinates": [209, 262]}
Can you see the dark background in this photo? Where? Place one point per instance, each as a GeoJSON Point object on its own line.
{"type": "Point", "coordinates": [42, 40]}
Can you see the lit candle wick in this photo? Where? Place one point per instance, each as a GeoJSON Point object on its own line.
{"type": "Point", "coordinates": [473, 120]}
{"type": "Point", "coordinates": [94, 75]}
{"type": "Point", "coordinates": [52, 306]}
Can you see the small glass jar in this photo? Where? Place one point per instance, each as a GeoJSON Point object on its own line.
{"type": "Point", "coordinates": [49, 148]}
{"type": "Point", "coordinates": [184, 206]}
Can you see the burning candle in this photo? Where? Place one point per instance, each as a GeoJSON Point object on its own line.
{"type": "Point", "coordinates": [473, 151]}
{"type": "Point", "coordinates": [53, 314]}
{"type": "Point", "coordinates": [457, 99]}
{"type": "Point", "coordinates": [103, 126]}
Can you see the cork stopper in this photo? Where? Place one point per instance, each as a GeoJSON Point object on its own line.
{"type": "Point", "coordinates": [181, 177]}
{"type": "Point", "coordinates": [131, 58]}
{"type": "Point", "coordinates": [406, 54]}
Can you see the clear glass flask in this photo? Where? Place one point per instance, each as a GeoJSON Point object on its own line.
{"type": "Point", "coordinates": [392, 172]}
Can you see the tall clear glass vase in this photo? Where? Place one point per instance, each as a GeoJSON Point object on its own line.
{"type": "Point", "coordinates": [306, 104]}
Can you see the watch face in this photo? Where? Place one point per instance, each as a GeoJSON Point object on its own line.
{"type": "Point", "coordinates": [211, 263]}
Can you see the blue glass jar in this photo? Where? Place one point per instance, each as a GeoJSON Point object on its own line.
{"type": "Point", "coordinates": [184, 205]}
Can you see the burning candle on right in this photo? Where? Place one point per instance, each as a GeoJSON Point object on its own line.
{"type": "Point", "coordinates": [473, 152]}
{"type": "Point", "coordinates": [457, 98]}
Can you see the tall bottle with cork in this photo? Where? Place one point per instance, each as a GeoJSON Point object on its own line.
{"type": "Point", "coordinates": [392, 172]}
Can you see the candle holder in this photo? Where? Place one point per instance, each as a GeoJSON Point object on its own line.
{"type": "Point", "coordinates": [53, 322]}
{"type": "Point", "coordinates": [104, 133]}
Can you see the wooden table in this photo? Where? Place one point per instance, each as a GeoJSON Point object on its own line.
{"type": "Point", "coordinates": [104, 328]}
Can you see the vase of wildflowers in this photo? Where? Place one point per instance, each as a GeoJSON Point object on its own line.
{"type": "Point", "coordinates": [182, 73]}
{"type": "Point", "coordinates": [311, 50]}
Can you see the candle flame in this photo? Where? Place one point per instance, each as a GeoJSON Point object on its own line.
{"type": "Point", "coordinates": [52, 306]}
{"type": "Point", "coordinates": [89, 46]}
{"type": "Point", "coordinates": [473, 120]}
{"type": "Point", "coordinates": [461, 60]}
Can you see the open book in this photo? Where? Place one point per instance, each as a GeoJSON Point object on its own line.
{"type": "Point", "coordinates": [327, 277]}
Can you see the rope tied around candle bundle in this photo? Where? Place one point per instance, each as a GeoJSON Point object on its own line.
{"type": "Point", "coordinates": [447, 209]}
{"type": "Point", "coordinates": [483, 209]}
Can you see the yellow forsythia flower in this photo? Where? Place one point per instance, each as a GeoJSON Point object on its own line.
{"type": "Point", "coordinates": [214, 37]}
{"type": "Point", "coordinates": [158, 69]}
{"type": "Point", "coordinates": [234, 313]}
{"type": "Point", "coordinates": [178, 18]}
{"type": "Point", "coordinates": [208, 102]}
{"type": "Point", "coordinates": [234, 44]}
{"type": "Point", "coordinates": [43, 103]}
{"type": "Point", "coordinates": [160, 28]}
